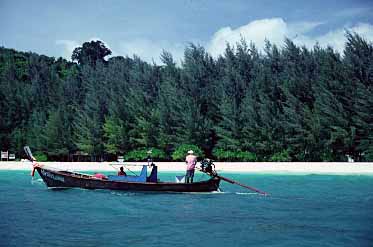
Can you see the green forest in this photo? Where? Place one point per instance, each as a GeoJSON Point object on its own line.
{"type": "Point", "coordinates": [283, 103]}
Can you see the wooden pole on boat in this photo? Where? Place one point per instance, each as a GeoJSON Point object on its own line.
{"type": "Point", "coordinates": [31, 158]}
{"type": "Point", "coordinates": [214, 174]}
{"type": "Point", "coordinates": [242, 185]}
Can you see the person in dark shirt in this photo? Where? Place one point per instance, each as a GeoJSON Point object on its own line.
{"type": "Point", "coordinates": [121, 172]}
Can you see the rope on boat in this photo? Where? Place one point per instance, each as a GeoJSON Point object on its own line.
{"type": "Point", "coordinates": [36, 164]}
{"type": "Point", "coordinates": [125, 166]}
{"type": "Point", "coordinates": [129, 170]}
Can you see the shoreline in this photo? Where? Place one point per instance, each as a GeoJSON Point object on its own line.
{"type": "Point", "coordinates": [285, 168]}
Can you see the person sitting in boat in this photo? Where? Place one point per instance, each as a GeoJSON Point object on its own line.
{"type": "Point", "coordinates": [121, 172]}
{"type": "Point", "coordinates": [191, 161]}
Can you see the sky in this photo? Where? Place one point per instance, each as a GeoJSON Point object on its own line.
{"type": "Point", "coordinates": [145, 28]}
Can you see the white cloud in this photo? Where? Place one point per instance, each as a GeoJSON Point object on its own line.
{"type": "Point", "coordinates": [256, 31]}
{"type": "Point", "coordinates": [68, 47]}
{"type": "Point", "coordinates": [336, 38]}
{"type": "Point", "coordinates": [276, 30]}
{"type": "Point", "coordinates": [150, 50]}
{"type": "Point", "coordinates": [302, 27]}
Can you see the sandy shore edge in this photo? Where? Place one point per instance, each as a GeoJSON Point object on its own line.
{"type": "Point", "coordinates": [228, 167]}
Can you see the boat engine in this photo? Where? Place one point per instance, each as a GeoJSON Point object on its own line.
{"type": "Point", "coordinates": [208, 167]}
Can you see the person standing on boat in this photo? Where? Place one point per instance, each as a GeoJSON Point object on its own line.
{"type": "Point", "coordinates": [191, 161]}
{"type": "Point", "coordinates": [121, 172]}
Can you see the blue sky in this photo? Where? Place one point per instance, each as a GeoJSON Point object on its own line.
{"type": "Point", "coordinates": [55, 28]}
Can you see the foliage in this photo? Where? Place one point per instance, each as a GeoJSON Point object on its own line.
{"type": "Point", "coordinates": [40, 157]}
{"type": "Point", "coordinates": [237, 155]}
{"type": "Point", "coordinates": [315, 104]}
{"type": "Point", "coordinates": [282, 156]}
{"type": "Point", "coordinates": [181, 151]}
{"type": "Point", "coordinates": [114, 132]}
{"type": "Point", "coordinates": [143, 154]}
{"type": "Point", "coordinates": [90, 52]}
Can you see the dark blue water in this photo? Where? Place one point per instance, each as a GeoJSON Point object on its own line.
{"type": "Point", "coordinates": [311, 210]}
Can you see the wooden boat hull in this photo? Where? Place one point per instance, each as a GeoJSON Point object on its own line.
{"type": "Point", "coordinates": [65, 179]}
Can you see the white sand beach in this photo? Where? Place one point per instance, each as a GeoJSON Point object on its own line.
{"type": "Point", "coordinates": [338, 168]}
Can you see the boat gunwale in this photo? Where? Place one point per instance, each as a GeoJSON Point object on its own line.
{"type": "Point", "coordinates": [91, 178]}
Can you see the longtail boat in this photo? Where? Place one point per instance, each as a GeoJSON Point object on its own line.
{"type": "Point", "coordinates": [66, 179]}
{"type": "Point", "coordinates": [55, 178]}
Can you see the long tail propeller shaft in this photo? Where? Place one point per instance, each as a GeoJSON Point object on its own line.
{"type": "Point", "coordinates": [242, 185]}
{"type": "Point", "coordinates": [235, 182]}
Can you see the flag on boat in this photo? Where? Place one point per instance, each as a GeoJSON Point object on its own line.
{"type": "Point", "coordinates": [180, 179]}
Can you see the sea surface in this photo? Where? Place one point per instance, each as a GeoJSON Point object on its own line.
{"type": "Point", "coordinates": [302, 210]}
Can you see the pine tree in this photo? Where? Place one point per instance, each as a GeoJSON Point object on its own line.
{"type": "Point", "coordinates": [358, 59]}
{"type": "Point", "coordinates": [198, 82]}
{"type": "Point", "coordinates": [172, 107]}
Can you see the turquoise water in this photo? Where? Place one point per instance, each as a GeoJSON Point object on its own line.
{"type": "Point", "coordinates": [313, 210]}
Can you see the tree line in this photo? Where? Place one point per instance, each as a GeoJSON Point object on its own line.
{"type": "Point", "coordinates": [287, 103]}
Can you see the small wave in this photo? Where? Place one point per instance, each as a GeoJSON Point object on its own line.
{"type": "Point", "coordinates": [122, 193]}
{"type": "Point", "coordinates": [37, 181]}
{"type": "Point", "coordinates": [203, 193]}
{"type": "Point", "coordinates": [246, 193]}
{"type": "Point", "coordinates": [218, 192]}
{"type": "Point", "coordinates": [288, 198]}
